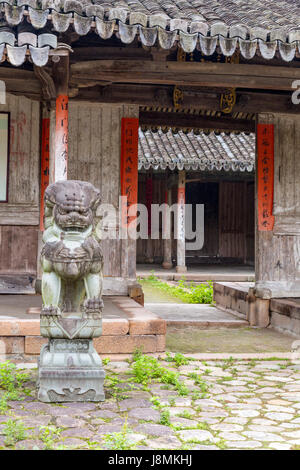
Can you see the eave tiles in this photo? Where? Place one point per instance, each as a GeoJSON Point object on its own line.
{"type": "Point", "coordinates": [250, 25]}
{"type": "Point", "coordinates": [202, 152]}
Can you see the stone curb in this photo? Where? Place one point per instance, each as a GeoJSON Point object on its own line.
{"type": "Point", "coordinates": [196, 356]}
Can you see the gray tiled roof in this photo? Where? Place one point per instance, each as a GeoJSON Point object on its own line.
{"type": "Point", "coordinates": [233, 152]}
{"type": "Point", "coordinates": [267, 25]}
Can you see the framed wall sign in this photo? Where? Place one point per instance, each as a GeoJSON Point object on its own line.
{"type": "Point", "coordinates": [4, 155]}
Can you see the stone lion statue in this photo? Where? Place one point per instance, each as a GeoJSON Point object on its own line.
{"type": "Point", "coordinates": [71, 257]}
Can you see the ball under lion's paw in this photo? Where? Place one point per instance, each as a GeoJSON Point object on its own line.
{"type": "Point", "coordinates": [93, 305]}
{"type": "Point", "coordinates": [51, 311]}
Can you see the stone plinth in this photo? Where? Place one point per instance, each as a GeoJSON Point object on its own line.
{"type": "Point", "coordinates": [70, 370]}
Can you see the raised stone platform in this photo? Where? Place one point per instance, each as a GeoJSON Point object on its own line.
{"type": "Point", "coordinates": [232, 296]}
{"type": "Point", "coordinates": [285, 315]}
{"type": "Point", "coordinates": [126, 326]}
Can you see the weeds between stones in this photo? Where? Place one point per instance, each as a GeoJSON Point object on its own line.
{"type": "Point", "coordinates": [119, 440]}
{"type": "Point", "coordinates": [14, 431]}
{"type": "Point", "coordinates": [185, 414]}
{"type": "Point", "coordinates": [178, 358]}
{"type": "Point", "coordinates": [11, 384]}
{"type": "Point", "coordinates": [49, 436]}
{"type": "Point", "coordinates": [204, 387]}
{"type": "Point", "coordinates": [165, 418]}
{"type": "Point", "coordinates": [146, 369]}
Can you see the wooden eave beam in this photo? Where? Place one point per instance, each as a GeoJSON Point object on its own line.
{"type": "Point", "coordinates": [184, 74]}
{"type": "Point", "coordinates": [194, 121]}
{"type": "Point", "coordinates": [193, 98]}
{"type": "Point", "coordinates": [21, 82]}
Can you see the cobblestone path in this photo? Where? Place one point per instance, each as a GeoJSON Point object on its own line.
{"type": "Point", "coordinates": [211, 405]}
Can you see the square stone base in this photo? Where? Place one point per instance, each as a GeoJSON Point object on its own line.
{"type": "Point", "coordinates": [70, 371]}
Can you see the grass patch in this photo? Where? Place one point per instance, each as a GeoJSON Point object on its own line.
{"type": "Point", "coordinates": [147, 368]}
{"type": "Point", "coordinates": [189, 293]}
{"type": "Point", "coordinates": [11, 384]}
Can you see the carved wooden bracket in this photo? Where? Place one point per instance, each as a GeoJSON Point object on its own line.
{"type": "Point", "coordinates": [48, 86]}
{"type": "Point", "coordinates": [228, 100]}
{"type": "Point", "coordinates": [177, 97]}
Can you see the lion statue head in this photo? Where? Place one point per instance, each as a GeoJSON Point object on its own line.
{"type": "Point", "coordinates": [71, 204]}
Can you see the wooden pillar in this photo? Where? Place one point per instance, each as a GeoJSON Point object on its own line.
{"type": "Point", "coordinates": [45, 160]}
{"type": "Point", "coordinates": [45, 175]}
{"type": "Point", "coordinates": [54, 139]}
{"type": "Point", "coordinates": [167, 236]}
{"type": "Point", "coordinates": [181, 267]}
{"type": "Point", "coordinates": [277, 251]}
{"type": "Point", "coordinates": [59, 130]}
{"type": "Point", "coordinates": [149, 201]}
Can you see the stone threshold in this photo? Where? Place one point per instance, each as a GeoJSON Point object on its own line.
{"type": "Point", "coordinates": [197, 277]}
{"type": "Point", "coordinates": [127, 326]}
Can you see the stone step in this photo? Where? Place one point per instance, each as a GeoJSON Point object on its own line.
{"type": "Point", "coordinates": [198, 315]}
{"type": "Point", "coordinates": [232, 296]}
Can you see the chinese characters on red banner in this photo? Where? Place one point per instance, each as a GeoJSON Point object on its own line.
{"type": "Point", "coordinates": [129, 167]}
{"type": "Point", "coordinates": [44, 165]}
{"type": "Point", "coordinates": [265, 176]}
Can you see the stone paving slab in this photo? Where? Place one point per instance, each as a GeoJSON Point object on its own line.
{"type": "Point", "coordinates": [230, 341]}
{"type": "Point", "coordinates": [220, 404]}
{"type": "Point", "coordinates": [204, 316]}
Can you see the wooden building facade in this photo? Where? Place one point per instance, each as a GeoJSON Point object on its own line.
{"type": "Point", "coordinates": [72, 70]}
{"type": "Point", "coordinates": [220, 173]}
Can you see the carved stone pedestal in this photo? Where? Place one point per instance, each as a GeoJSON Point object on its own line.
{"type": "Point", "coordinates": [70, 370]}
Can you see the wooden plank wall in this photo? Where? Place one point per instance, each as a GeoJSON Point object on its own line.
{"type": "Point", "coordinates": [205, 193]}
{"type": "Point", "coordinates": [151, 249]}
{"type": "Point", "coordinates": [250, 222]}
{"type": "Point", "coordinates": [94, 155]}
{"type": "Point", "coordinates": [232, 220]}
{"type": "Point", "coordinates": [18, 249]}
{"type": "Point", "coordinates": [277, 256]}
{"type": "Point", "coordinates": [19, 218]}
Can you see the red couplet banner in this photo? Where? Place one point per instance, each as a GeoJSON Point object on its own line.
{"type": "Point", "coordinates": [129, 165]}
{"type": "Point", "coordinates": [265, 176]}
{"type": "Point", "coordinates": [44, 166]}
